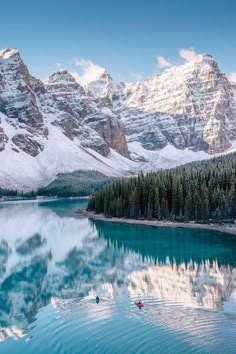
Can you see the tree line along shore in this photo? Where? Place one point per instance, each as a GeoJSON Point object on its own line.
{"type": "Point", "coordinates": [203, 192]}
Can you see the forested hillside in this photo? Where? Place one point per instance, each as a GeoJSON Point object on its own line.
{"type": "Point", "coordinates": [75, 184]}
{"type": "Point", "coordinates": [199, 191]}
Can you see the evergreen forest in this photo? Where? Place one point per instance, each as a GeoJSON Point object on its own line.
{"type": "Point", "coordinates": [202, 191]}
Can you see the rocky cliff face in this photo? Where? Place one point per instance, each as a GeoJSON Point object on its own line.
{"type": "Point", "coordinates": [102, 89]}
{"type": "Point", "coordinates": [19, 103]}
{"type": "Point", "coordinates": [65, 89]}
{"type": "Point", "coordinates": [96, 127]}
{"type": "Point", "coordinates": [188, 111]}
{"type": "Point", "coordinates": [190, 105]}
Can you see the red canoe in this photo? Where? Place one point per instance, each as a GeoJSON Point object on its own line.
{"type": "Point", "coordinates": [139, 304]}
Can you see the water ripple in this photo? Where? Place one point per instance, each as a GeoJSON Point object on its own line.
{"type": "Point", "coordinates": [79, 324]}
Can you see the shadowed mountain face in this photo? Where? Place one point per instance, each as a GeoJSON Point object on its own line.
{"type": "Point", "coordinates": [186, 113]}
{"type": "Point", "coordinates": [47, 256]}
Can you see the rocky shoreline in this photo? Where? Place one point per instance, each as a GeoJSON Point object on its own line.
{"type": "Point", "coordinates": [229, 229]}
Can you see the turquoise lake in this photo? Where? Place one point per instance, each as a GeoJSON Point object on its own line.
{"type": "Point", "coordinates": [54, 262]}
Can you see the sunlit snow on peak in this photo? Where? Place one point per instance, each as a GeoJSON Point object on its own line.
{"type": "Point", "coordinates": [7, 53]}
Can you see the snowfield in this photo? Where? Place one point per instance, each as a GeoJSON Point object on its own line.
{"type": "Point", "coordinates": [23, 172]}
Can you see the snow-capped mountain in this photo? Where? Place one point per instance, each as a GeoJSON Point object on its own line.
{"type": "Point", "coordinates": [186, 113]}
{"type": "Point", "coordinates": [191, 105]}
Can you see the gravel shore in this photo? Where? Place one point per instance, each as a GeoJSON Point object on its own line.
{"type": "Point", "coordinates": [229, 229]}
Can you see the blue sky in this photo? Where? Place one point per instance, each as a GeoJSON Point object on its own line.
{"type": "Point", "coordinates": [125, 37]}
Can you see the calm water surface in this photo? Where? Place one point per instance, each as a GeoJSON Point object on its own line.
{"type": "Point", "coordinates": [53, 263]}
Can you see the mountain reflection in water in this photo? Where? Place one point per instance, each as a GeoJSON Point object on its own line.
{"type": "Point", "coordinates": [48, 255]}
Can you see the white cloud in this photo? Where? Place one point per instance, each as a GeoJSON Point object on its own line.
{"type": "Point", "coordinates": [163, 62]}
{"type": "Point", "coordinates": [88, 71]}
{"type": "Point", "coordinates": [232, 76]}
{"type": "Point", "coordinates": [137, 76]}
{"type": "Point", "coordinates": [187, 54]}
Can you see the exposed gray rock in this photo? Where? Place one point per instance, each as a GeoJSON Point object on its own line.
{"type": "Point", "coordinates": [27, 143]}
{"type": "Point", "coordinates": [64, 87]}
{"type": "Point", "coordinates": [191, 105]}
{"type": "Point", "coordinates": [94, 126]}
{"type": "Point", "coordinates": [18, 101]}
{"type": "Point", "coordinates": [3, 139]}
{"type": "Point", "coordinates": [109, 128]}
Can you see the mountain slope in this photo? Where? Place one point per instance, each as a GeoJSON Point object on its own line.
{"type": "Point", "coordinates": [190, 106]}
{"type": "Point", "coordinates": [186, 113]}
{"type": "Point", "coordinates": [22, 171]}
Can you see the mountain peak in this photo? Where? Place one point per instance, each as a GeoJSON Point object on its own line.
{"type": "Point", "coordinates": [206, 55]}
{"type": "Point", "coordinates": [102, 86]}
{"type": "Point", "coordinates": [62, 76]}
{"type": "Point", "coordinates": [203, 59]}
{"type": "Point", "coordinates": [9, 53]}
{"type": "Point", "coordinates": [63, 72]}
{"type": "Point", "coordinates": [104, 75]}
